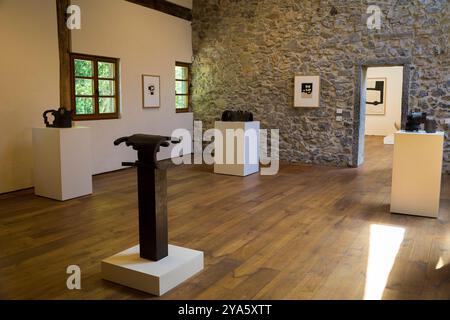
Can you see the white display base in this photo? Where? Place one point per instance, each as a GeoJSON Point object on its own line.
{"type": "Point", "coordinates": [62, 162]}
{"type": "Point", "coordinates": [242, 165]}
{"type": "Point", "coordinates": [155, 277]}
{"type": "Point", "coordinates": [389, 139]}
{"type": "Point", "coordinates": [417, 172]}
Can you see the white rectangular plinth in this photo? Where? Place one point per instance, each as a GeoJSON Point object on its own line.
{"type": "Point", "coordinates": [417, 172]}
{"type": "Point", "coordinates": [155, 277]}
{"type": "Point", "coordinates": [62, 162]}
{"type": "Point", "coordinates": [389, 139]}
{"type": "Point", "coordinates": [239, 155]}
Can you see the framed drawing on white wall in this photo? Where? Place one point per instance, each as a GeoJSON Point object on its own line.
{"type": "Point", "coordinates": [376, 96]}
{"type": "Point", "coordinates": [150, 91]}
{"type": "Point", "coordinates": [307, 92]}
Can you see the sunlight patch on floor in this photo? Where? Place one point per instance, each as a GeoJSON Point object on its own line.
{"type": "Point", "coordinates": [440, 264]}
{"type": "Point", "coordinates": [384, 245]}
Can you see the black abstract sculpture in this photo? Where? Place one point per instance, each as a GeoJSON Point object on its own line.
{"type": "Point", "coordinates": [241, 116]}
{"type": "Point", "coordinates": [414, 120]}
{"type": "Point", "coordinates": [62, 118]}
{"type": "Point", "coordinates": [152, 193]}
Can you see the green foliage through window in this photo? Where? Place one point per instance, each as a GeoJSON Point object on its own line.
{"type": "Point", "coordinates": [181, 102]}
{"type": "Point", "coordinates": [182, 86]}
{"type": "Point", "coordinates": [83, 68]}
{"type": "Point", "coordinates": [107, 105]}
{"type": "Point", "coordinates": [181, 73]}
{"type": "Point", "coordinates": [106, 87]}
{"type": "Point", "coordinates": [106, 70]}
{"type": "Point", "coordinates": [85, 105]}
{"type": "Point", "coordinates": [94, 86]}
{"type": "Point", "coordinates": [84, 87]}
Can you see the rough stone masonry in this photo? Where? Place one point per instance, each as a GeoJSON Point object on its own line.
{"type": "Point", "coordinates": [247, 53]}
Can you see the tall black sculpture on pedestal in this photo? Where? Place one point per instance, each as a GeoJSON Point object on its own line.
{"type": "Point", "coordinates": [152, 193]}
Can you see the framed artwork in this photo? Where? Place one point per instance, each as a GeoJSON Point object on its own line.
{"type": "Point", "coordinates": [307, 92]}
{"type": "Point", "coordinates": [376, 96]}
{"type": "Point", "coordinates": [150, 91]}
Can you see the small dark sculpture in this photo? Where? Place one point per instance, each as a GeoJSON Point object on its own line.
{"type": "Point", "coordinates": [430, 125]}
{"type": "Point", "coordinates": [237, 116]}
{"type": "Point", "coordinates": [62, 118]}
{"type": "Point", "coordinates": [152, 193]}
{"type": "Point", "coordinates": [414, 120]}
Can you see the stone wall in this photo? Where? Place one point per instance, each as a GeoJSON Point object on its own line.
{"type": "Point", "coordinates": [248, 51]}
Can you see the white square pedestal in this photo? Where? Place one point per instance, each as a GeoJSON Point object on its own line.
{"type": "Point", "coordinates": [417, 172]}
{"type": "Point", "coordinates": [246, 148]}
{"type": "Point", "coordinates": [390, 139]}
{"type": "Point", "coordinates": [62, 162]}
{"type": "Point", "coordinates": [155, 277]}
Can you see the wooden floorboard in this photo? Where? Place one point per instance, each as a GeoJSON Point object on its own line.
{"type": "Point", "coordinates": [302, 234]}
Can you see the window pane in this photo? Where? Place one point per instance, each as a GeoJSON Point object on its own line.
{"type": "Point", "coordinates": [84, 87]}
{"type": "Point", "coordinates": [181, 102]}
{"type": "Point", "coordinates": [84, 105]}
{"type": "Point", "coordinates": [106, 87]}
{"type": "Point", "coordinates": [181, 73]}
{"type": "Point", "coordinates": [181, 87]}
{"type": "Point", "coordinates": [107, 105]}
{"type": "Point", "coordinates": [106, 70]}
{"type": "Point", "coordinates": [83, 68]}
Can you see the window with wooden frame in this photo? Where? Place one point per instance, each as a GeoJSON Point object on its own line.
{"type": "Point", "coordinates": [95, 87]}
{"type": "Point", "coordinates": [182, 90]}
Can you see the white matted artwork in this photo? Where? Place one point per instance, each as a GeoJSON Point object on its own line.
{"type": "Point", "coordinates": [307, 92]}
{"type": "Point", "coordinates": [150, 91]}
{"type": "Point", "coordinates": [376, 96]}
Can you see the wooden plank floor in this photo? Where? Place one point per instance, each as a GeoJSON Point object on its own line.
{"type": "Point", "coordinates": [306, 233]}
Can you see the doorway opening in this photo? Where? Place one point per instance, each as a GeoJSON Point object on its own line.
{"type": "Point", "coordinates": [381, 105]}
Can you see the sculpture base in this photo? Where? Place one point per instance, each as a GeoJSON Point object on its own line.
{"type": "Point", "coordinates": [246, 150]}
{"type": "Point", "coordinates": [155, 277]}
{"type": "Point", "coordinates": [389, 139]}
{"type": "Point", "coordinates": [417, 173]}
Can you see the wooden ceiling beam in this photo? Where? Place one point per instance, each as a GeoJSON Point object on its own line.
{"type": "Point", "coordinates": [65, 47]}
{"type": "Point", "coordinates": [166, 7]}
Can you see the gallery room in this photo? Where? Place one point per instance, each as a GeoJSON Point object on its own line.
{"type": "Point", "coordinates": [224, 150]}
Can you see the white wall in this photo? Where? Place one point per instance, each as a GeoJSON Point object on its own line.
{"type": "Point", "coordinates": [383, 125]}
{"type": "Point", "coordinates": [147, 42]}
{"type": "Point", "coordinates": [29, 83]}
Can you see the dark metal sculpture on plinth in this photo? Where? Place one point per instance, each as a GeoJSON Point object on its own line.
{"type": "Point", "coordinates": [152, 193]}
{"type": "Point", "coordinates": [152, 266]}
{"type": "Point", "coordinates": [237, 116]}
{"type": "Point", "coordinates": [62, 118]}
{"type": "Point", "coordinates": [414, 121]}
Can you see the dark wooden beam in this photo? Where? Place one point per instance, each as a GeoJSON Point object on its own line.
{"type": "Point", "coordinates": [65, 47]}
{"type": "Point", "coordinates": [166, 7]}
